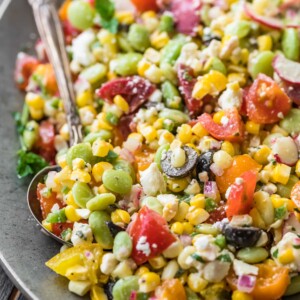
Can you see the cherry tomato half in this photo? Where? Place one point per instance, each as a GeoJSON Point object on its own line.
{"type": "Point", "coordinates": [144, 5]}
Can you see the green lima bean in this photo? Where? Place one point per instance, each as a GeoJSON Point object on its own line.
{"type": "Point", "coordinates": [117, 181]}
{"type": "Point", "coordinates": [252, 255]}
{"type": "Point", "coordinates": [138, 37]}
{"type": "Point", "coordinates": [153, 204]}
{"type": "Point", "coordinates": [171, 95]}
{"type": "Point", "coordinates": [83, 151]}
{"type": "Point", "coordinates": [126, 64]}
{"type": "Point", "coordinates": [122, 245]}
{"type": "Point", "coordinates": [101, 201]}
{"type": "Point", "coordinates": [123, 288]}
{"type": "Point", "coordinates": [291, 122]}
{"type": "Point", "coordinates": [82, 193]}
{"type": "Point", "coordinates": [290, 43]}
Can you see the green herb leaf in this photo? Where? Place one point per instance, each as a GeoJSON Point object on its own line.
{"type": "Point", "coordinates": [296, 246]}
{"type": "Point", "coordinates": [66, 234]}
{"type": "Point", "coordinates": [111, 156]}
{"type": "Point", "coordinates": [112, 118]}
{"type": "Point", "coordinates": [29, 163]}
{"type": "Point", "coordinates": [111, 25]}
{"type": "Point", "coordinates": [224, 258]}
{"type": "Point", "coordinates": [106, 10]}
{"type": "Point", "coordinates": [220, 241]}
{"type": "Point", "coordinates": [19, 124]}
{"type": "Point", "coordinates": [58, 216]}
{"type": "Point", "coordinates": [275, 253]}
{"type": "Point", "coordinates": [210, 205]}
{"type": "Point", "coordinates": [179, 273]}
{"type": "Point", "coordinates": [280, 212]}
{"type": "Point", "coordinates": [197, 257]}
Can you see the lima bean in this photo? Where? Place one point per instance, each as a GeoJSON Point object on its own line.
{"type": "Point", "coordinates": [121, 164]}
{"type": "Point", "coordinates": [216, 64]}
{"type": "Point", "coordinates": [126, 64]}
{"type": "Point", "coordinates": [93, 136]}
{"type": "Point", "coordinates": [207, 229]}
{"type": "Point", "coordinates": [123, 288]}
{"type": "Point", "coordinates": [94, 74]}
{"type": "Point", "coordinates": [253, 255]}
{"type": "Point", "coordinates": [30, 134]}
{"type": "Point", "coordinates": [97, 222]}
{"type": "Point", "coordinates": [238, 28]}
{"type": "Point", "coordinates": [166, 23]}
{"type": "Point", "coordinates": [190, 295]}
{"type": "Point", "coordinates": [101, 201]}
{"type": "Point", "coordinates": [83, 150]}
{"type": "Point", "coordinates": [172, 50]}
{"type": "Point", "coordinates": [291, 122]}
{"type": "Point", "coordinates": [159, 152]}
{"type": "Point", "coordinates": [153, 204]}
{"type": "Point", "coordinates": [123, 43]}
{"type": "Point", "coordinates": [284, 190]}
{"type": "Point", "coordinates": [262, 63]}
{"type": "Point", "coordinates": [294, 286]}
{"type": "Point", "coordinates": [122, 245]}
{"type": "Point", "coordinates": [171, 95]}
{"type": "Point", "coordinates": [174, 115]}
{"type": "Point", "coordinates": [117, 181]}
{"type": "Point", "coordinates": [290, 43]}
{"type": "Point", "coordinates": [139, 37]}
{"type": "Point", "coordinates": [82, 193]}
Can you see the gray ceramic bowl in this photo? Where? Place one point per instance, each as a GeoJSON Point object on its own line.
{"type": "Point", "coordinates": [23, 248]}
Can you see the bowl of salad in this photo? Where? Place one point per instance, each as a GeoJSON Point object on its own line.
{"type": "Point", "coordinates": [187, 182]}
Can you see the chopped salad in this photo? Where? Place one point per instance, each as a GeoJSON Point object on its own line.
{"type": "Point", "coordinates": [187, 183]}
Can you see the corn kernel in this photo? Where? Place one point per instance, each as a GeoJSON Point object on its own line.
{"type": "Point", "coordinates": [198, 201]}
{"type": "Point", "coordinates": [87, 115]}
{"type": "Point", "coordinates": [148, 282]}
{"type": "Point", "coordinates": [34, 101]}
{"type": "Point", "coordinates": [101, 148]}
{"type": "Point", "coordinates": [277, 129]}
{"type": "Point", "coordinates": [99, 168]}
{"type": "Point", "coordinates": [157, 262]}
{"type": "Point", "coordinates": [111, 75]}
{"type": "Point", "coordinates": [196, 283]}
{"type": "Point", "coordinates": [85, 98]}
{"type": "Point", "coordinates": [102, 189]}
{"type": "Point", "coordinates": [183, 209]}
{"type": "Point", "coordinates": [46, 225]}
{"type": "Point", "coordinates": [71, 213]}
{"type": "Point", "coordinates": [78, 163]}
{"type": "Point", "coordinates": [237, 77]}
{"type": "Point", "coordinates": [149, 14]}
{"type": "Point", "coordinates": [238, 295]}
{"type": "Point", "coordinates": [281, 173]}
{"type": "Point", "coordinates": [125, 17]}
{"type": "Point", "coordinates": [261, 155]}
{"type": "Point", "coordinates": [102, 123]}
{"type": "Point", "coordinates": [154, 74]}
{"type": "Point", "coordinates": [184, 133]}
{"type": "Point", "coordinates": [159, 39]}
{"type": "Point", "coordinates": [62, 161]}
{"type": "Point", "coordinates": [297, 168]}
{"type": "Point", "coordinates": [177, 228]}
{"type": "Point", "coordinates": [188, 228]}
{"type": "Point", "coordinates": [70, 200]}
{"type": "Point", "coordinates": [264, 42]}
{"type": "Point", "coordinates": [121, 103]}
{"type": "Point", "coordinates": [252, 127]}
{"type": "Point", "coordinates": [278, 201]}
{"type": "Point", "coordinates": [166, 138]}
{"type": "Point", "coordinates": [64, 132]}
{"type": "Point", "coordinates": [158, 124]}
{"type": "Point", "coordinates": [36, 114]}
{"type": "Point", "coordinates": [80, 175]}
{"type": "Point", "coordinates": [149, 133]}
{"type": "Point", "coordinates": [228, 147]}
{"type": "Point", "coordinates": [143, 66]}
{"type": "Point", "coordinates": [141, 270]}
{"type": "Point", "coordinates": [218, 116]}
{"type": "Point", "coordinates": [222, 159]}
{"type": "Point", "coordinates": [245, 55]}
{"type": "Point", "coordinates": [137, 136]}
{"type": "Point", "coordinates": [199, 130]}
{"type": "Point", "coordinates": [197, 215]}
{"type": "Point", "coordinates": [286, 256]}
{"type": "Point", "coordinates": [177, 185]}
{"type": "Point", "coordinates": [120, 216]}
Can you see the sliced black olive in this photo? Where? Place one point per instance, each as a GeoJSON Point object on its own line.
{"type": "Point", "coordinates": [108, 287]}
{"type": "Point", "coordinates": [203, 164]}
{"type": "Point", "coordinates": [186, 169]}
{"type": "Point", "coordinates": [113, 228]}
{"type": "Point", "coordinates": [241, 237]}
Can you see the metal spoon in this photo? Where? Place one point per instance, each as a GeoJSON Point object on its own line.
{"type": "Point", "coordinates": [49, 28]}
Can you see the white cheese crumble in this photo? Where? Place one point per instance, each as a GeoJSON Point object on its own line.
{"type": "Point", "coordinates": [143, 245]}
{"type": "Point", "coordinates": [241, 268]}
{"type": "Point", "coordinates": [81, 233]}
{"type": "Point", "coordinates": [232, 97]}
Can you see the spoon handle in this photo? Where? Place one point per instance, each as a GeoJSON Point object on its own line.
{"type": "Point", "coordinates": [50, 30]}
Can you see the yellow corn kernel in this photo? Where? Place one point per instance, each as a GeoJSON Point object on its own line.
{"type": "Point", "coordinates": [149, 133]}
{"type": "Point", "coordinates": [252, 127]}
{"type": "Point", "coordinates": [261, 155]}
{"type": "Point", "coordinates": [197, 215]}
{"type": "Point", "coordinates": [237, 77]}
{"type": "Point", "coordinates": [159, 39]}
{"type": "Point", "coordinates": [80, 175]}
{"type": "Point", "coordinates": [286, 256]}
{"type": "Point", "coordinates": [244, 55]}
{"type": "Point", "coordinates": [183, 209]}
{"type": "Point", "coordinates": [188, 228]}
{"type": "Point", "coordinates": [158, 124]}
{"type": "Point", "coordinates": [99, 168]}
{"type": "Point", "coordinates": [120, 216]}
{"type": "Point", "coordinates": [196, 283]}
{"type": "Point", "coordinates": [157, 262]}
{"type": "Point", "coordinates": [167, 136]}
{"type": "Point", "coordinates": [63, 177]}
{"type": "Point", "coordinates": [101, 148]}
{"type": "Point", "coordinates": [297, 168]}
{"type": "Point", "coordinates": [278, 201]}
{"type": "Point", "coordinates": [194, 142]}
{"type": "Point", "coordinates": [34, 101]}
{"type": "Point", "coordinates": [46, 225]}
{"type": "Point", "coordinates": [62, 161]}
{"type": "Point", "coordinates": [70, 200]}
{"type": "Point", "coordinates": [177, 228]}
{"type": "Point", "coordinates": [238, 295]}
{"type": "Point", "coordinates": [36, 114]}
{"type": "Point", "coordinates": [148, 282]}
{"type": "Point", "coordinates": [281, 173]}
{"type": "Point", "coordinates": [125, 17]}
{"type": "Point", "coordinates": [199, 130]}
{"type": "Point", "coordinates": [102, 189]}
{"type": "Point", "coordinates": [71, 213]}
{"type": "Point", "coordinates": [64, 132]}
{"type": "Point", "coordinates": [141, 270]}
{"type": "Point", "coordinates": [121, 103]}
{"type": "Point", "coordinates": [103, 124]}
{"type": "Point", "coordinates": [154, 74]}
{"type": "Point", "coordinates": [148, 14]}
{"type": "Point", "coordinates": [277, 129]}
{"type": "Point", "coordinates": [111, 75]}
{"type": "Point", "coordinates": [177, 185]}
{"type": "Point", "coordinates": [198, 201]}
{"type": "Point", "coordinates": [218, 116]}
{"type": "Point", "coordinates": [78, 163]}
{"type": "Point", "coordinates": [184, 133]}
{"type": "Point", "coordinates": [136, 136]}
{"type": "Point", "coordinates": [87, 115]}
{"type": "Point", "coordinates": [106, 38]}
{"type": "Point", "coordinates": [228, 147]}
{"type": "Point", "coordinates": [85, 98]}
{"type": "Point", "coordinates": [264, 42]}
{"type": "Point", "coordinates": [143, 66]}
{"type": "Point", "coordinates": [97, 293]}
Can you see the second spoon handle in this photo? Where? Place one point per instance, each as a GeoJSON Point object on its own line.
{"type": "Point", "coordinates": [50, 30]}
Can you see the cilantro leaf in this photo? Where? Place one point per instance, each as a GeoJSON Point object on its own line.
{"type": "Point", "coordinates": [224, 258]}
{"type": "Point", "coordinates": [280, 212]}
{"type": "Point", "coordinates": [106, 10]}
{"type": "Point", "coordinates": [210, 205]}
{"type": "Point", "coordinates": [21, 119]}
{"type": "Point", "coordinates": [111, 25]}
{"type": "Point", "coordinates": [275, 253]}
{"type": "Point", "coordinates": [29, 163]}
{"type": "Point", "coordinates": [197, 257]}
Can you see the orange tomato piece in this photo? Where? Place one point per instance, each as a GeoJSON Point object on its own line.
{"type": "Point", "coordinates": [170, 289]}
{"type": "Point", "coordinates": [144, 158]}
{"type": "Point", "coordinates": [295, 194]}
{"type": "Point", "coordinates": [46, 72]}
{"type": "Point", "coordinates": [271, 283]}
{"type": "Point", "coordinates": [241, 164]}
{"type": "Point", "coordinates": [63, 11]}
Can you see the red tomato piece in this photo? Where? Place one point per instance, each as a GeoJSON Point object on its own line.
{"type": "Point", "coordinates": [69, 31]}
{"type": "Point", "coordinates": [135, 89]}
{"type": "Point", "coordinates": [47, 203]}
{"type": "Point", "coordinates": [186, 82]}
{"type": "Point", "coordinates": [265, 101]}
{"type": "Point", "coordinates": [217, 215]}
{"type": "Point", "coordinates": [25, 66]}
{"type": "Point", "coordinates": [186, 14]}
{"type": "Point", "coordinates": [45, 144]}
{"type": "Point", "coordinates": [58, 228]}
{"type": "Point", "coordinates": [144, 5]}
{"type": "Point", "coordinates": [233, 131]}
{"type": "Point", "coordinates": [150, 235]}
{"type": "Point", "coordinates": [240, 198]}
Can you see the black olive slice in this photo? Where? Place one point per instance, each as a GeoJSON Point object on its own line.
{"type": "Point", "coordinates": [113, 228]}
{"type": "Point", "coordinates": [203, 164]}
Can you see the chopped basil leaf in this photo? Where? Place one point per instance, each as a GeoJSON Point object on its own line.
{"type": "Point", "coordinates": [275, 253]}
{"type": "Point", "coordinates": [280, 212]}
{"type": "Point", "coordinates": [197, 257]}
{"type": "Point", "coordinates": [106, 10]}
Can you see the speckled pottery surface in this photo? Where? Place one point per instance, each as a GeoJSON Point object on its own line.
{"type": "Point", "coordinates": [23, 247]}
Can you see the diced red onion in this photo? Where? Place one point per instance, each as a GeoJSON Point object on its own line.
{"type": "Point", "coordinates": [218, 171]}
{"type": "Point", "coordinates": [210, 189]}
{"type": "Point", "coordinates": [127, 155]}
{"type": "Point", "coordinates": [133, 295]}
{"type": "Point", "coordinates": [246, 283]}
